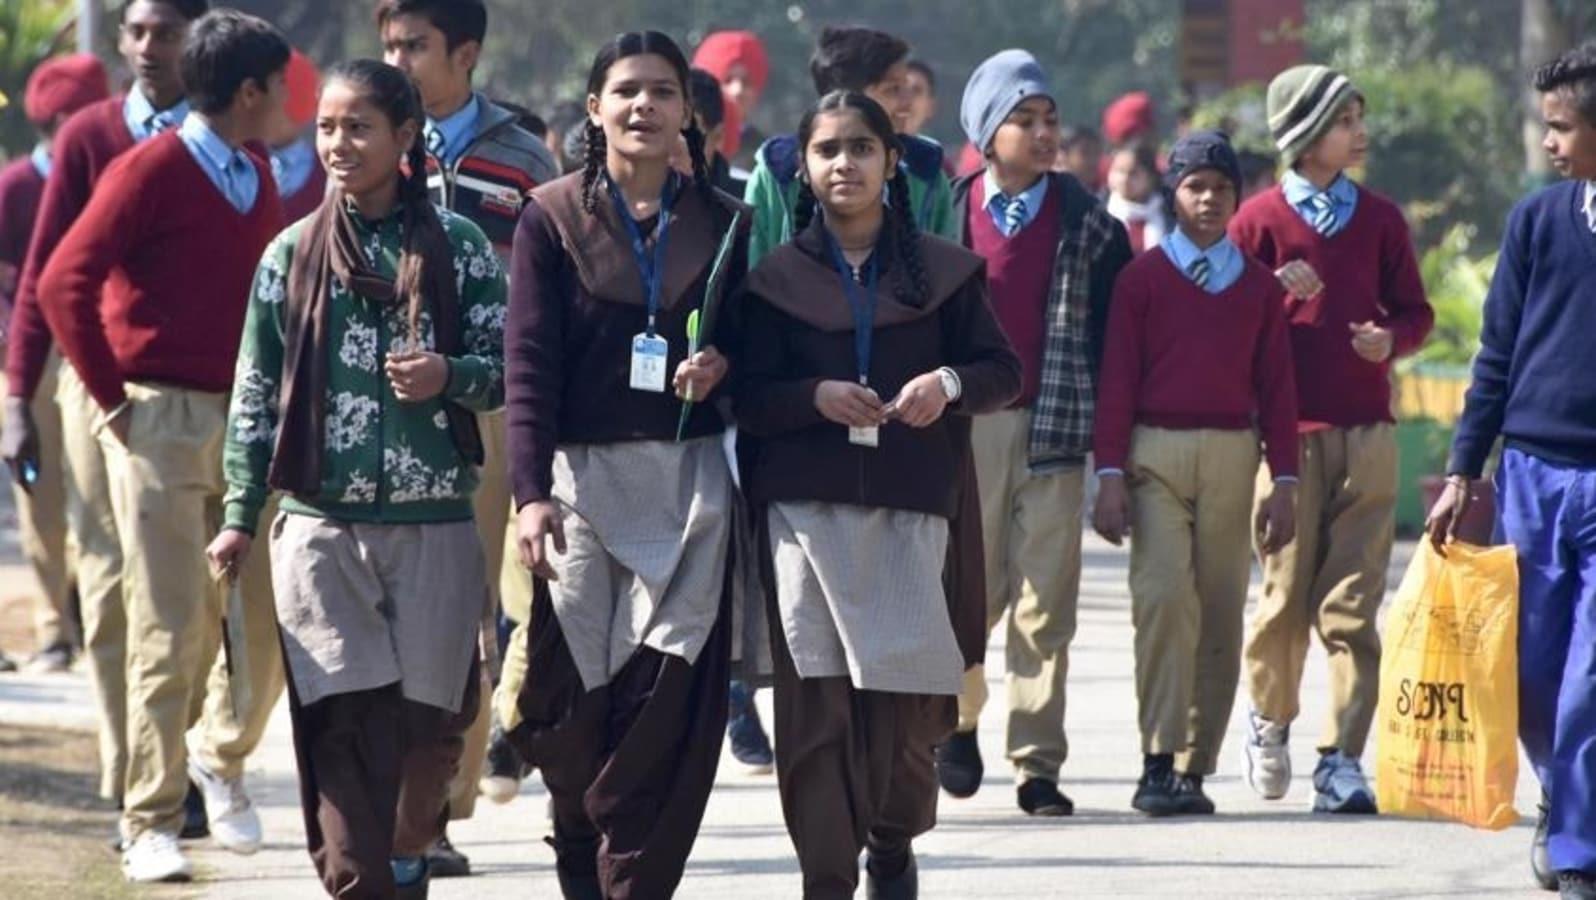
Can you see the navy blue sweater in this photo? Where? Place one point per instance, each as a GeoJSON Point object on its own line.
{"type": "Point", "coordinates": [1533, 379]}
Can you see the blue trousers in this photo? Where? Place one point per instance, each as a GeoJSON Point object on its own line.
{"type": "Point", "coordinates": [1548, 512]}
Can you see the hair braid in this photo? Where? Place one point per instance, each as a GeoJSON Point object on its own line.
{"type": "Point", "coordinates": [914, 290]}
{"type": "Point", "coordinates": [804, 210]}
{"type": "Point", "coordinates": [695, 150]}
{"type": "Point", "coordinates": [421, 229]}
{"type": "Point", "coordinates": [593, 154]}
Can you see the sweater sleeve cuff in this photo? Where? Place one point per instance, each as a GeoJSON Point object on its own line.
{"type": "Point", "coordinates": [242, 515]}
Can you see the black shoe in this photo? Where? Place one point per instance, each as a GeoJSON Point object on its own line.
{"type": "Point", "coordinates": [443, 861]}
{"type": "Point", "coordinates": [1040, 797]}
{"type": "Point", "coordinates": [1573, 885]}
{"type": "Point", "coordinates": [1540, 862]}
{"type": "Point", "coordinates": [959, 768]}
{"type": "Point", "coordinates": [749, 743]}
{"type": "Point", "coordinates": [904, 885]}
{"type": "Point", "coordinates": [7, 664]}
{"type": "Point", "coordinates": [53, 659]}
{"type": "Point", "coordinates": [1155, 792]}
{"type": "Point", "coordinates": [196, 824]}
{"type": "Point", "coordinates": [506, 769]}
{"type": "Point", "coordinates": [576, 866]}
{"type": "Point", "coordinates": [1189, 797]}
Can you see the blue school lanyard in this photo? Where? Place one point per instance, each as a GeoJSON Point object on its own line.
{"type": "Point", "coordinates": [651, 268]}
{"type": "Point", "coordinates": [861, 302]}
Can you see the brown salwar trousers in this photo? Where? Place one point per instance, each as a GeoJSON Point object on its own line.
{"type": "Point", "coordinates": [374, 773]}
{"type": "Point", "coordinates": [854, 769]}
{"type": "Point", "coordinates": [628, 765]}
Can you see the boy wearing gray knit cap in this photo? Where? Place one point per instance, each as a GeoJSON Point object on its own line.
{"type": "Point", "coordinates": [1052, 256]}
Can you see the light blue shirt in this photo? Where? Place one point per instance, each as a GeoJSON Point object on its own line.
{"type": "Point", "coordinates": [229, 169]}
{"type": "Point", "coordinates": [144, 120]}
{"type": "Point", "coordinates": [1300, 193]}
{"type": "Point", "coordinates": [40, 157]}
{"type": "Point", "coordinates": [1225, 262]}
{"type": "Point", "coordinates": [456, 130]}
{"type": "Point", "coordinates": [292, 166]}
{"type": "Point", "coordinates": [997, 202]}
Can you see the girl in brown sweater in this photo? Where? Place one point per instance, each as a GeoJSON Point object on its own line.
{"type": "Point", "coordinates": [867, 345]}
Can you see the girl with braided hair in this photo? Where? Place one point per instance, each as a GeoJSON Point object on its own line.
{"type": "Point", "coordinates": [867, 347]}
{"type": "Point", "coordinates": [624, 496]}
{"type": "Point", "coordinates": [374, 333]}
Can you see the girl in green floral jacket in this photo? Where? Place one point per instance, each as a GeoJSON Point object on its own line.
{"type": "Point", "coordinates": [374, 333]}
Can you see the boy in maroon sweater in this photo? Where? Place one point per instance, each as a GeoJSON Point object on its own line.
{"type": "Point", "coordinates": [1354, 302]}
{"type": "Point", "coordinates": [151, 40]}
{"type": "Point", "coordinates": [56, 89]}
{"type": "Point", "coordinates": [1196, 368]}
{"type": "Point", "coordinates": [173, 233]}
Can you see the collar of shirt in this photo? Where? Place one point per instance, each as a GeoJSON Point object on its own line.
{"type": "Point", "coordinates": [1300, 193]}
{"type": "Point", "coordinates": [1590, 204]}
{"type": "Point", "coordinates": [40, 157]}
{"type": "Point", "coordinates": [138, 111]}
{"type": "Point", "coordinates": [1225, 262]}
{"type": "Point", "coordinates": [457, 128]}
{"type": "Point", "coordinates": [997, 202]}
{"type": "Point", "coordinates": [224, 166]}
{"type": "Point", "coordinates": [292, 166]}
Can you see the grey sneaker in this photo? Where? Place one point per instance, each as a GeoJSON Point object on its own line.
{"type": "Point", "coordinates": [1339, 786]}
{"type": "Point", "coordinates": [1266, 757]}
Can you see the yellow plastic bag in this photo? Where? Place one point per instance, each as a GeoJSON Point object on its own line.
{"type": "Point", "coordinates": [1448, 716]}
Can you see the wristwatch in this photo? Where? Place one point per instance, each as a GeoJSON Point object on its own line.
{"type": "Point", "coordinates": [951, 386]}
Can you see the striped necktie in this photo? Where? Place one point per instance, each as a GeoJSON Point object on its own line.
{"type": "Point", "coordinates": [160, 122]}
{"type": "Point", "coordinates": [1013, 216]}
{"type": "Point", "coordinates": [435, 142]}
{"type": "Point", "coordinates": [1199, 271]}
{"type": "Point", "coordinates": [1324, 213]}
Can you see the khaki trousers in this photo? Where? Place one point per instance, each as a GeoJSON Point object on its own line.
{"type": "Point", "coordinates": [166, 491]}
{"type": "Point", "coordinates": [229, 731]}
{"type": "Point", "coordinates": [491, 504]}
{"type": "Point", "coordinates": [92, 522]}
{"type": "Point", "coordinates": [1191, 505]}
{"type": "Point", "coordinates": [1331, 581]}
{"type": "Point", "coordinates": [41, 518]}
{"type": "Point", "coordinates": [1032, 535]}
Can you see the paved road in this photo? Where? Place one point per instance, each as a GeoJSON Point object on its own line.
{"type": "Point", "coordinates": [983, 847]}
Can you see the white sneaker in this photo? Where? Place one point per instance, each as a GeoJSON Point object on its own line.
{"type": "Point", "coordinates": [1266, 758]}
{"type": "Point", "coordinates": [155, 856]}
{"type": "Point", "coordinates": [234, 823]}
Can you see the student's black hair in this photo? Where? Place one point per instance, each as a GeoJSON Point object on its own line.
{"type": "Point", "coordinates": [1145, 155]}
{"type": "Point", "coordinates": [188, 9]}
{"type": "Point", "coordinates": [1254, 165]}
{"type": "Point", "coordinates": [852, 59]}
{"type": "Point", "coordinates": [459, 20]}
{"type": "Point", "coordinates": [526, 118]}
{"type": "Point", "coordinates": [638, 43]}
{"type": "Point", "coordinates": [708, 102]}
{"type": "Point", "coordinates": [1574, 74]}
{"type": "Point", "coordinates": [225, 50]}
{"type": "Point", "coordinates": [904, 244]}
{"type": "Point", "coordinates": [1072, 135]}
{"type": "Point", "coordinates": [392, 92]}
{"type": "Point", "coordinates": [926, 72]}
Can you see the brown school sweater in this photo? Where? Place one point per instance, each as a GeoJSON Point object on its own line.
{"type": "Point", "coordinates": [799, 331]}
{"type": "Point", "coordinates": [576, 302]}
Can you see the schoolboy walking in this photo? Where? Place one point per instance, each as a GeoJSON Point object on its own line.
{"type": "Point", "coordinates": [1197, 353]}
{"type": "Point", "coordinates": [1532, 387]}
{"type": "Point", "coordinates": [157, 357]}
{"type": "Point", "coordinates": [1353, 302]}
{"type": "Point", "coordinates": [1052, 254]}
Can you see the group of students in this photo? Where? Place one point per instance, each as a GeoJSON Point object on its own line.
{"type": "Point", "coordinates": [918, 370]}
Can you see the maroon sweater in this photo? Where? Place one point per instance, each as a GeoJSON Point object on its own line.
{"type": "Point", "coordinates": [83, 148]}
{"type": "Point", "coordinates": [1369, 273]}
{"type": "Point", "coordinates": [1179, 357]}
{"type": "Point", "coordinates": [304, 201]}
{"type": "Point", "coordinates": [176, 261]}
{"type": "Point", "coordinates": [1019, 276]}
{"type": "Point", "coordinates": [21, 186]}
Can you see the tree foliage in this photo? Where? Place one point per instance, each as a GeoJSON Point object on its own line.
{"type": "Point", "coordinates": [30, 31]}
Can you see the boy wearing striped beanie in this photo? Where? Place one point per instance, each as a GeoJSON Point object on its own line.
{"type": "Point", "coordinates": [1353, 302]}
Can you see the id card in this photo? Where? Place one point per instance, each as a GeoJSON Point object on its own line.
{"type": "Point", "coordinates": [648, 363]}
{"type": "Point", "coordinates": [865, 437]}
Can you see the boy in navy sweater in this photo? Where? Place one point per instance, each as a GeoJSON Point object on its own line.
{"type": "Point", "coordinates": [1533, 388]}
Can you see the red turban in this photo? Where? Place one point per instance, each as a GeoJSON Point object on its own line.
{"type": "Point", "coordinates": [303, 82]}
{"type": "Point", "coordinates": [724, 49]}
{"type": "Point", "coordinates": [64, 85]}
{"type": "Point", "coordinates": [1128, 117]}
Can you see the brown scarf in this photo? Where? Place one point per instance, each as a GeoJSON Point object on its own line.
{"type": "Point", "coordinates": [329, 250]}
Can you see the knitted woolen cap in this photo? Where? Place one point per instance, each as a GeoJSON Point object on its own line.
{"type": "Point", "coordinates": [1302, 104]}
{"type": "Point", "coordinates": [998, 85]}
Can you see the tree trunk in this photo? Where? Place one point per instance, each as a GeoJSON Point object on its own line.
{"type": "Point", "coordinates": [1543, 34]}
